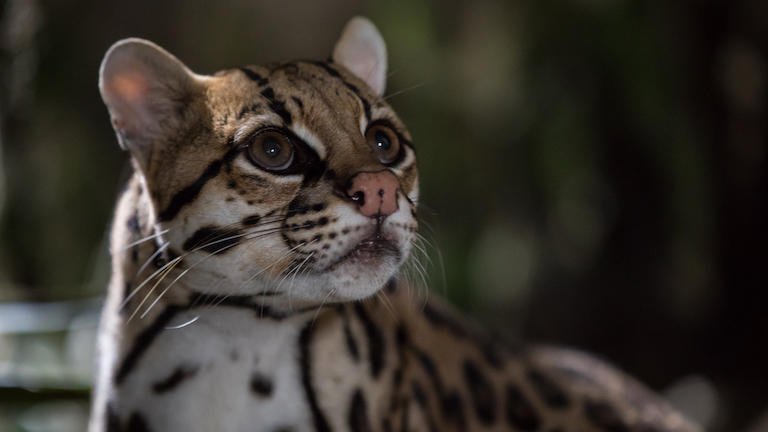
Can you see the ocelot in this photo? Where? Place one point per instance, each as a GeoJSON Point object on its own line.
{"type": "Point", "coordinates": [256, 254]}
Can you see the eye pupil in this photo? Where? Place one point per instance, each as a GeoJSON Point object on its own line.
{"type": "Point", "coordinates": [271, 147]}
{"type": "Point", "coordinates": [382, 141]}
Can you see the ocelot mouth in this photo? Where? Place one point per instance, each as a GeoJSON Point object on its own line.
{"type": "Point", "coordinates": [368, 251]}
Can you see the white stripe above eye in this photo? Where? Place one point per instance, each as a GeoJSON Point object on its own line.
{"type": "Point", "coordinates": [310, 138]}
{"type": "Point", "coordinates": [252, 124]}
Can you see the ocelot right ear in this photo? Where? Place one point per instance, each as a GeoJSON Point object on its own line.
{"type": "Point", "coordinates": [147, 91]}
{"type": "Point", "coordinates": [361, 49]}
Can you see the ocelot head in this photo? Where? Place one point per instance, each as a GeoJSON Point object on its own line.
{"type": "Point", "coordinates": [293, 181]}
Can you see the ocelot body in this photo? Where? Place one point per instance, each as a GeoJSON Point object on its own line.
{"type": "Point", "coordinates": [256, 255]}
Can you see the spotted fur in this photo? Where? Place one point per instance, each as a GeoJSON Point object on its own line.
{"type": "Point", "coordinates": [249, 299]}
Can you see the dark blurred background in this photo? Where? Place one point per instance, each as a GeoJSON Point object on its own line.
{"type": "Point", "coordinates": [593, 174]}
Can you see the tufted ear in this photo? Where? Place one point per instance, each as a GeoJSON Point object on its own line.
{"type": "Point", "coordinates": [361, 50]}
{"type": "Point", "coordinates": [146, 90]}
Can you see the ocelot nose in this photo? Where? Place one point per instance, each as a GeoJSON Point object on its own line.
{"type": "Point", "coordinates": [374, 192]}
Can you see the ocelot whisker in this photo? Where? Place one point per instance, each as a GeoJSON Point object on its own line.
{"type": "Point", "coordinates": [152, 257]}
{"type": "Point", "coordinates": [151, 290]}
{"type": "Point", "coordinates": [145, 239]}
{"type": "Point", "coordinates": [405, 90]}
{"type": "Point", "coordinates": [322, 303]}
{"type": "Point", "coordinates": [387, 303]}
{"type": "Point", "coordinates": [262, 233]}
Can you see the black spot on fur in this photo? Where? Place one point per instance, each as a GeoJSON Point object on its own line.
{"type": "Point", "coordinates": [482, 392]}
{"type": "Point", "coordinates": [358, 413]}
{"type": "Point", "coordinates": [172, 381]}
{"type": "Point", "coordinates": [375, 340]}
{"type": "Point", "coordinates": [550, 393]}
{"type": "Point", "coordinates": [298, 102]}
{"type": "Point", "coordinates": [261, 385]}
{"type": "Point", "coordinates": [604, 416]}
{"type": "Point", "coordinates": [520, 412]}
{"type": "Point", "coordinates": [213, 240]}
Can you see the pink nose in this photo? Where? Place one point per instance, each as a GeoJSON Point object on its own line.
{"type": "Point", "coordinates": [375, 193]}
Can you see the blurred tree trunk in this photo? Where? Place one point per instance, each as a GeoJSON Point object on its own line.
{"type": "Point", "coordinates": [19, 23]}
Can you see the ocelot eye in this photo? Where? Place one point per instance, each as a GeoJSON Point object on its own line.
{"type": "Point", "coordinates": [384, 143]}
{"type": "Point", "coordinates": [271, 150]}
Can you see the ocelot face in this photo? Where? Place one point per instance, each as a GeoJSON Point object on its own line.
{"type": "Point", "coordinates": [295, 182]}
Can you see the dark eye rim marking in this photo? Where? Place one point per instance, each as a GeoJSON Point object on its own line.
{"type": "Point", "coordinates": [305, 162]}
{"type": "Point", "coordinates": [258, 158]}
{"type": "Point", "coordinates": [383, 123]}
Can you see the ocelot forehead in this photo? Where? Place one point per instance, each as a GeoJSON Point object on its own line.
{"type": "Point", "coordinates": [320, 102]}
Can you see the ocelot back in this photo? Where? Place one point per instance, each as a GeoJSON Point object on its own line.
{"type": "Point", "coordinates": [255, 262]}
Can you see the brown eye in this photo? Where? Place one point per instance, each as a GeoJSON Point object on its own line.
{"type": "Point", "coordinates": [384, 143]}
{"type": "Point", "coordinates": [271, 150]}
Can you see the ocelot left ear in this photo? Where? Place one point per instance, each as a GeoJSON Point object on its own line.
{"type": "Point", "coordinates": [148, 93]}
{"type": "Point", "coordinates": [361, 49]}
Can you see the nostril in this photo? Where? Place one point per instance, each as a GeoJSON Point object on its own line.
{"type": "Point", "coordinates": [374, 193]}
{"type": "Point", "coordinates": [358, 197]}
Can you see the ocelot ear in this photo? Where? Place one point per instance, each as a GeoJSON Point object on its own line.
{"type": "Point", "coordinates": [146, 90]}
{"type": "Point", "coordinates": [362, 50]}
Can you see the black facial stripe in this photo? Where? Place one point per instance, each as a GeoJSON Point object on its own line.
{"type": "Point", "coordinates": [305, 338]}
{"type": "Point", "coordinates": [190, 193]}
{"type": "Point", "coordinates": [251, 220]}
{"type": "Point", "coordinates": [364, 101]}
{"type": "Point", "coordinates": [375, 340]}
{"type": "Point", "coordinates": [277, 106]}
{"type": "Point", "coordinates": [172, 381]}
{"type": "Point", "coordinates": [213, 240]}
{"type": "Point", "coordinates": [298, 102]}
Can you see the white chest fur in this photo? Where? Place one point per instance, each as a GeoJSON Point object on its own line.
{"type": "Point", "coordinates": [227, 371]}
